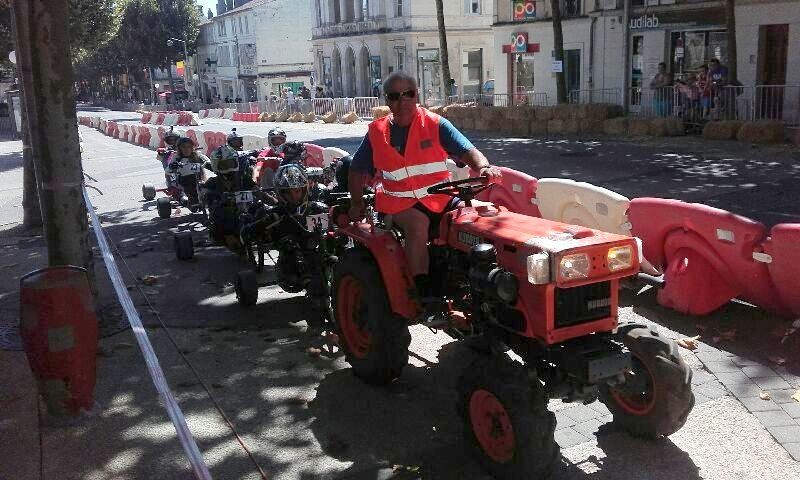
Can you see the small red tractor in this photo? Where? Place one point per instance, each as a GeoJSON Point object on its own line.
{"type": "Point", "coordinates": [545, 290]}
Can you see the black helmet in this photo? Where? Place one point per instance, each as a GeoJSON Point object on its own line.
{"type": "Point", "coordinates": [171, 136]}
{"type": "Point", "coordinates": [184, 140]}
{"type": "Point", "coordinates": [342, 172]}
{"type": "Point", "coordinates": [293, 152]}
{"type": "Point", "coordinates": [276, 133]}
{"type": "Point", "coordinates": [235, 140]}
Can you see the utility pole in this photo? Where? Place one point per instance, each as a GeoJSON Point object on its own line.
{"type": "Point", "coordinates": [626, 55]}
{"type": "Point", "coordinates": [445, 57]}
{"type": "Point", "coordinates": [43, 51]}
{"type": "Point", "coordinates": [558, 42]}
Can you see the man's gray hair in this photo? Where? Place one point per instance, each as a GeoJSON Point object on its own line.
{"type": "Point", "coordinates": [397, 77]}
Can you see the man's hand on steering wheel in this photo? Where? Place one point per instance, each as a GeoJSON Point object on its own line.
{"type": "Point", "coordinates": [492, 173]}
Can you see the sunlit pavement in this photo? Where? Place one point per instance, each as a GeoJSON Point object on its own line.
{"type": "Point", "coordinates": [307, 417]}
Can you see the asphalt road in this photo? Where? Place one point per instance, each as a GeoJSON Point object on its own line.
{"type": "Point", "coordinates": [309, 418]}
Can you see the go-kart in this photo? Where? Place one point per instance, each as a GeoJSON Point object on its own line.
{"type": "Point", "coordinates": [184, 188]}
{"type": "Point", "coordinates": [546, 291]}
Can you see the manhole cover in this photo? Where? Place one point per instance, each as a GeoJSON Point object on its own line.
{"type": "Point", "coordinates": [9, 337]}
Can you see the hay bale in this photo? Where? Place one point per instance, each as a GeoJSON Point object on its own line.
{"type": "Point", "coordinates": [329, 117]}
{"type": "Point", "coordinates": [591, 126]}
{"type": "Point", "coordinates": [521, 126]}
{"type": "Point", "coordinates": [522, 112]}
{"type": "Point", "coordinates": [380, 112]}
{"type": "Point", "coordinates": [438, 109]}
{"type": "Point", "coordinates": [659, 127]}
{"type": "Point", "coordinates": [675, 127]}
{"type": "Point", "coordinates": [572, 126]}
{"type": "Point", "coordinates": [616, 126]}
{"type": "Point", "coordinates": [537, 127]}
{"type": "Point", "coordinates": [295, 117]}
{"type": "Point", "coordinates": [467, 124]}
{"type": "Point", "coordinates": [483, 124]}
{"type": "Point", "coordinates": [599, 111]}
{"type": "Point", "coordinates": [556, 126]}
{"type": "Point", "coordinates": [565, 111]}
{"type": "Point", "coordinates": [453, 112]}
{"type": "Point", "coordinates": [639, 127]}
{"type": "Point", "coordinates": [724, 130]}
{"type": "Point", "coordinates": [762, 132]}
{"type": "Point", "coordinates": [311, 117]}
{"type": "Point", "coordinates": [349, 118]}
{"type": "Point", "coordinates": [544, 114]}
{"type": "Point", "coordinates": [281, 116]}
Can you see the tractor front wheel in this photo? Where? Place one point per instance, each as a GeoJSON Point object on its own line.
{"type": "Point", "coordinates": [375, 339]}
{"type": "Point", "coordinates": [656, 397]}
{"type": "Point", "coordinates": [507, 427]}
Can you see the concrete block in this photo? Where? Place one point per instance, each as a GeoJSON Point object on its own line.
{"type": "Point", "coordinates": [794, 450]}
{"type": "Point", "coordinates": [616, 126]}
{"type": "Point", "coordinates": [600, 408]}
{"type": "Point", "coordinates": [567, 437]}
{"type": "Point", "coordinates": [581, 413]}
{"type": "Point", "coordinates": [782, 396]}
{"type": "Point", "coordinates": [732, 378]}
{"type": "Point", "coordinates": [563, 421]}
{"type": "Point", "coordinates": [724, 130]}
{"type": "Point", "coordinates": [746, 362]}
{"type": "Point", "coordinates": [754, 371]}
{"type": "Point", "coordinates": [772, 383]}
{"type": "Point", "coordinates": [762, 132]}
{"type": "Point", "coordinates": [638, 127]}
{"type": "Point", "coordinates": [774, 418]}
{"type": "Point", "coordinates": [755, 404]}
{"type": "Point", "coordinates": [793, 409]}
{"type": "Point", "coordinates": [711, 391]}
{"type": "Point", "coordinates": [699, 377]}
{"type": "Point", "coordinates": [723, 366]}
{"type": "Point", "coordinates": [744, 390]}
{"type": "Point", "coordinates": [786, 434]}
{"type": "Point", "coordinates": [590, 427]}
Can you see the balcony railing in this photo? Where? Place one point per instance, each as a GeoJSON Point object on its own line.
{"type": "Point", "coordinates": [570, 8]}
{"type": "Point", "coordinates": [352, 28]}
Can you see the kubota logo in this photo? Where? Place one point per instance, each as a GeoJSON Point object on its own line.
{"type": "Point", "coordinates": [599, 303]}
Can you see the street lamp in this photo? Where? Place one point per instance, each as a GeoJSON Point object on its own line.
{"type": "Point", "coordinates": [170, 43]}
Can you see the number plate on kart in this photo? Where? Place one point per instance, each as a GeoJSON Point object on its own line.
{"type": "Point", "coordinates": [315, 221]}
{"type": "Point", "coordinates": [244, 196]}
{"type": "Point", "coordinates": [469, 239]}
{"type": "Point", "coordinates": [190, 169]}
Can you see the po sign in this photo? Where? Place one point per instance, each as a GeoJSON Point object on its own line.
{"type": "Point", "coordinates": [519, 42]}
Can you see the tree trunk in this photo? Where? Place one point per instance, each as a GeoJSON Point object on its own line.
{"type": "Point", "coordinates": [730, 11]}
{"type": "Point", "coordinates": [558, 42]}
{"type": "Point", "coordinates": [31, 210]}
{"type": "Point", "coordinates": [445, 57]}
{"type": "Point", "coordinates": [43, 48]}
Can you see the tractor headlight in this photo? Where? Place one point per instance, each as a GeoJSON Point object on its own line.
{"type": "Point", "coordinates": [539, 268]}
{"type": "Point", "coordinates": [619, 258]}
{"type": "Point", "coordinates": [575, 266]}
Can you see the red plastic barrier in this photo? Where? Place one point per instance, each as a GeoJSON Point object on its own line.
{"type": "Point", "coordinates": [59, 332]}
{"type": "Point", "coordinates": [144, 136]}
{"type": "Point", "coordinates": [706, 255]}
{"type": "Point", "coordinates": [314, 156]}
{"type": "Point", "coordinates": [235, 116]}
{"type": "Point", "coordinates": [162, 132]}
{"type": "Point", "coordinates": [160, 118]}
{"type": "Point", "coordinates": [146, 117]}
{"type": "Point", "coordinates": [193, 135]}
{"type": "Point", "coordinates": [214, 140]}
{"type": "Point", "coordinates": [516, 191]}
{"type": "Point", "coordinates": [254, 108]}
{"type": "Point", "coordinates": [784, 248]}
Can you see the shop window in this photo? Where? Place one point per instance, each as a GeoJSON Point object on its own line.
{"type": "Point", "coordinates": [523, 72]}
{"type": "Point", "coordinates": [692, 49]}
{"type": "Point", "coordinates": [572, 69]}
{"type": "Point", "coordinates": [472, 7]}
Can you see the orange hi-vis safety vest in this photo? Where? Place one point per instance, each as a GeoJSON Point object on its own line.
{"type": "Point", "coordinates": [406, 178]}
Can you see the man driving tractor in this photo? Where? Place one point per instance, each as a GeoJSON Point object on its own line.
{"type": "Point", "coordinates": [407, 150]}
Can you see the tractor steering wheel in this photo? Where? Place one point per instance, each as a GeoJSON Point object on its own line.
{"type": "Point", "coordinates": [466, 189]}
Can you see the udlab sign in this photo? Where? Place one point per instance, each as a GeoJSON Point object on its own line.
{"type": "Point", "coordinates": [645, 21]}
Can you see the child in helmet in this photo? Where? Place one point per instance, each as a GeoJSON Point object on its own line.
{"type": "Point", "coordinates": [233, 174]}
{"type": "Point", "coordinates": [276, 138]}
{"type": "Point", "coordinates": [185, 153]}
{"type": "Point", "coordinates": [163, 153]}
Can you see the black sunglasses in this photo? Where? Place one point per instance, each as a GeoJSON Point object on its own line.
{"type": "Point", "coordinates": [395, 96]}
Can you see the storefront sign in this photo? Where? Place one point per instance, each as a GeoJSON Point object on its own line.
{"type": "Point", "coordinates": [645, 21]}
{"type": "Point", "coordinates": [557, 66]}
{"type": "Point", "coordinates": [519, 42]}
{"type": "Point", "coordinates": [524, 9]}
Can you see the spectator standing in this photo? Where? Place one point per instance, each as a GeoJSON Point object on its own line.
{"type": "Point", "coordinates": [319, 92]}
{"type": "Point", "coordinates": [662, 92]}
{"type": "Point", "coordinates": [704, 85]}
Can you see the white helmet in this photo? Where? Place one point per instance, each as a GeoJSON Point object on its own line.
{"type": "Point", "coordinates": [291, 183]}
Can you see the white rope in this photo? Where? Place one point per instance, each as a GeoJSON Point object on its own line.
{"type": "Point", "coordinates": [173, 410]}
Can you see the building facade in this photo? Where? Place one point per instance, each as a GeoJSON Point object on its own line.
{"type": "Point", "coordinates": [683, 34]}
{"type": "Point", "coordinates": [356, 43]}
{"type": "Point", "coordinates": [255, 49]}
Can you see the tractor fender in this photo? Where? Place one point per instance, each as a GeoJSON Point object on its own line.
{"type": "Point", "coordinates": [390, 257]}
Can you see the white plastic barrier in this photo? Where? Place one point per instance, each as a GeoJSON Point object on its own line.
{"type": "Point", "coordinates": [456, 173]}
{"type": "Point", "coordinates": [229, 113]}
{"type": "Point", "coordinates": [252, 142]}
{"type": "Point", "coordinates": [201, 141]}
{"type": "Point", "coordinates": [218, 112]}
{"type": "Point", "coordinates": [155, 140]}
{"type": "Point", "coordinates": [329, 154]}
{"type": "Point", "coordinates": [171, 119]}
{"type": "Point", "coordinates": [584, 204]}
{"type": "Point", "coordinates": [195, 120]}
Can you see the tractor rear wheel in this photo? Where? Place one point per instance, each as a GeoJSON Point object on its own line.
{"type": "Point", "coordinates": [656, 398]}
{"type": "Point", "coordinates": [375, 339]}
{"type": "Point", "coordinates": [507, 427]}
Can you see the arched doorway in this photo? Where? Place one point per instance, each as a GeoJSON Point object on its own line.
{"type": "Point", "coordinates": [336, 73]}
{"type": "Point", "coordinates": [349, 72]}
{"type": "Point", "coordinates": [364, 81]}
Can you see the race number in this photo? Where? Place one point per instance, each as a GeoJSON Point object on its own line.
{"type": "Point", "coordinates": [317, 221]}
{"type": "Point", "coordinates": [190, 169]}
{"type": "Point", "coordinates": [245, 196]}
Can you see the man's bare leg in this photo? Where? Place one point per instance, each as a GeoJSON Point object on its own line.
{"type": "Point", "coordinates": [415, 227]}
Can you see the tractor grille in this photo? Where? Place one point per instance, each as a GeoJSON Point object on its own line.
{"type": "Point", "coordinates": [582, 304]}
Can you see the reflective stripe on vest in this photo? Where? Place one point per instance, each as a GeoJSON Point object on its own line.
{"type": "Point", "coordinates": [406, 178]}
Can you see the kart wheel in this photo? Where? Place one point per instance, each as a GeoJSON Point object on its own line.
{"type": "Point", "coordinates": [246, 288]}
{"type": "Point", "coordinates": [148, 191]}
{"type": "Point", "coordinates": [657, 396]}
{"type": "Point", "coordinates": [507, 427]}
{"type": "Point", "coordinates": [164, 207]}
{"type": "Point", "coordinates": [374, 338]}
{"type": "Point", "coordinates": [184, 245]}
